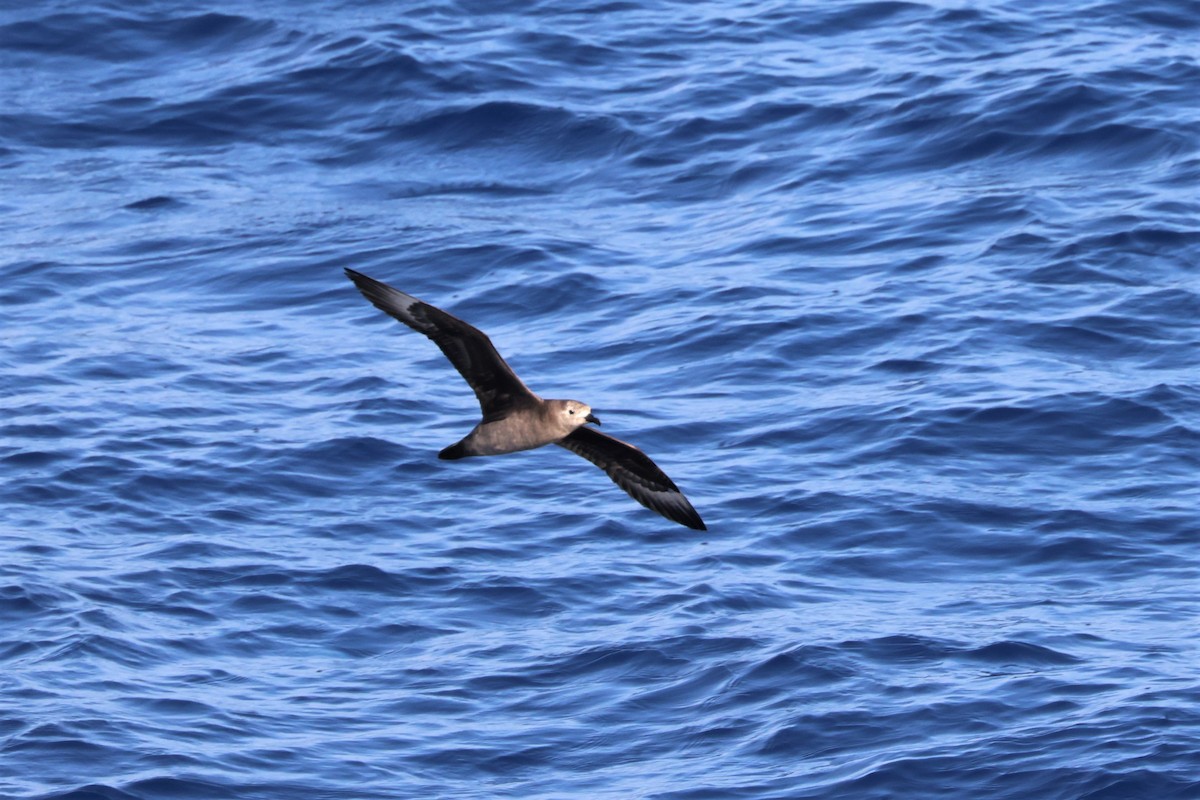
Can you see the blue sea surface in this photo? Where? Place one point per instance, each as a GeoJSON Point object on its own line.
{"type": "Point", "coordinates": [905, 296]}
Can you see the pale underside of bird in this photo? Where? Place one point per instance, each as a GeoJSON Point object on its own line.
{"type": "Point", "coordinates": [514, 418]}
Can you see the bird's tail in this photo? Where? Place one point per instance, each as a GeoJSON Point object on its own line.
{"type": "Point", "coordinates": [454, 451]}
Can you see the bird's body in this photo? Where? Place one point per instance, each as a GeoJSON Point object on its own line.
{"type": "Point", "coordinates": [515, 419]}
{"type": "Point", "coordinates": [540, 425]}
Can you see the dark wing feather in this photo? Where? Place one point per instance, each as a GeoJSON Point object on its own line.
{"type": "Point", "coordinates": [496, 386]}
{"type": "Point", "coordinates": [633, 471]}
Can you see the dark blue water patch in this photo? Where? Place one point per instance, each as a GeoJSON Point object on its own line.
{"type": "Point", "coordinates": [121, 367]}
{"type": "Point", "coordinates": [33, 459]}
{"type": "Point", "coordinates": [1055, 105]}
{"type": "Point", "coordinates": [57, 741]}
{"type": "Point", "coordinates": [25, 601]}
{"type": "Point", "coordinates": [741, 599]}
{"type": "Point", "coordinates": [714, 135]}
{"type": "Point", "coordinates": [845, 21]}
{"type": "Point", "coordinates": [95, 791]}
{"type": "Point", "coordinates": [550, 133]}
{"type": "Point", "coordinates": [378, 640]}
{"type": "Point", "coordinates": [282, 105]}
{"type": "Point", "coordinates": [1165, 14]}
{"type": "Point", "coordinates": [552, 47]}
{"type": "Point", "coordinates": [172, 707]}
{"type": "Point", "coordinates": [358, 452]}
{"type": "Point", "coordinates": [500, 599]}
{"type": "Point", "coordinates": [1079, 546]}
{"type": "Point", "coordinates": [1088, 339]}
{"type": "Point", "coordinates": [118, 38]}
{"type": "Point", "coordinates": [487, 188]}
{"type": "Point", "coordinates": [1010, 654]}
{"type": "Point", "coordinates": [356, 68]}
{"type": "Point", "coordinates": [1168, 309]}
{"type": "Point", "coordinates": [906, 366]}
{"type": "Point", "coordinates": [156, 203]}
{"type": "Point", "coordinates": [1083, 422]}
{"type": "Point", "coordinates": [634, 662]}
{"type": "Point", "coordinates": [1070, 273]}
{"type": "Point", "coordinates": [1144, 240]}
{"type": "Point", "coordinates": [1053, 117]}
{"type": "Point", "coordinates": [812, 665]}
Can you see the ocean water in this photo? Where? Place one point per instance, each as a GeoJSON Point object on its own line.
{"type": "Point", "coordinates": [905, 296]}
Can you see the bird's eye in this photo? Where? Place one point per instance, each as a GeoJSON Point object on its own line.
{"type": "Point", "coordinates": [570, 411]}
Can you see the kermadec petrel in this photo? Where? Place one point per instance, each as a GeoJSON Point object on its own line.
{"type": "Point", "coordinates": [515, 418]}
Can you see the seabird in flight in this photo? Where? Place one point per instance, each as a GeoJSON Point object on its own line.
{"type": "Point", "coordinates": [515, 418]}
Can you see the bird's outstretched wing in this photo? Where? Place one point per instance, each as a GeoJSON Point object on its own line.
{"type": "Point", "coordinates": [633, 471]}
{"type": "Point", "coordinates": [496, 386]}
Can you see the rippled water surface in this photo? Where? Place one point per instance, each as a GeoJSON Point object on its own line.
{"type": "Point", "coordinates": [903, 295]}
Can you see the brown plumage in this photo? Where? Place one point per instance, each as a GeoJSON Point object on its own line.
{"type": "Point", "coordinates": [514, 418]}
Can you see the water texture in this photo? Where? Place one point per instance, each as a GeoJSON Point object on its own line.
{"type": "Point", "coordinates": [904, 296]}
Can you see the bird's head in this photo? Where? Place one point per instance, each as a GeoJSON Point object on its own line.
{"type": "Point", "coordinates": [577, 414]}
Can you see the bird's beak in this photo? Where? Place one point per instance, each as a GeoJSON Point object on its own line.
{"type": "Point", "coordinates": [592, 418]}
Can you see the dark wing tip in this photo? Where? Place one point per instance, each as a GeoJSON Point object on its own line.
{"type": "Point", "coordinates": [368, 285]}
{"type": "Point", "coordinates": [676, 508]}
{"type": "Point", "coordinates": [393, 302]}
{"type": "Point", "coordinates": [496, 386]}
{"type": "Point", "coordinates": [636, 474]}
{"type": "Point", "coordinates": [692, 520]}
{"type": "Point", "coordinates": [359, 279]}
